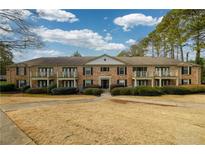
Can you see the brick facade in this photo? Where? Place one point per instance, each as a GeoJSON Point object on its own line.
{"type": "Point", "coordinates": [175, 77]}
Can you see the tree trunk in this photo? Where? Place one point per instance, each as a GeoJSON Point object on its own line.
{"type": "Point", "coordinates": [182, 53]}
{"type": "Point", "coordinates": [172, 51]}
{"type": "Point", "coordinates": [198, 51]}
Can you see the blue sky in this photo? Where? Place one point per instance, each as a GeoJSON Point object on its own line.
{"type": "Point", "coordinates": [91, 32]}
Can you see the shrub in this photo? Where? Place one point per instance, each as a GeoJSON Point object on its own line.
{"type": "Point", "coordinates": [50, 87]}
{"type": "Point", "coordinates": [93, 86]}
{"type": "Point", "coordinates": [176, 90]}
{"type": "Point", "coordinates": [4, 87]}
{"type": "Point", "coordinates": [115, 91]}
{"type": "Point", "coordinates": [64, 91]}
{"type": "Point", "coordinates": [149, 91]}
{"type": "Point", "coordinates": [112, 86]}
{"type": "Point", "coordinates": [126, 91]}
{"type": "Point", "coordinates": [24, 88]}
{"type": "Point", "coordinates": [37, 91]}
{"type": "Point", "coordinates": [93, 91]}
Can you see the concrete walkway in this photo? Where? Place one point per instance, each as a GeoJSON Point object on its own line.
{"type": "Point", "coordinates": [10, 133]}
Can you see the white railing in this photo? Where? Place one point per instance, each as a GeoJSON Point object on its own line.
{"type": "Point", "coordinates": [69, 74]}
{"type": "Point", "coordinates": [164, 74]}
{"type": "Point", "coordinates": [141, 74]}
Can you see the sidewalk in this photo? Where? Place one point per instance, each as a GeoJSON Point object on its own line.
{"type": "Point", "coordinates": [10, 134]}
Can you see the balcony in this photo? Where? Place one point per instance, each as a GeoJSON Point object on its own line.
{"type": "Point", "coordinates": [164, 74]}
{"type": "Point", "coordinates": [69, 74]}
{"type": "Point", "coordinates": [43, 75]}
{"type": "Point", "coordinates": [141, 74]}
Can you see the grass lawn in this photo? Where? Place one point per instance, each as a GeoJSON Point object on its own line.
{"type": "Point", "coordinates": [27, 98]}
{"type": "Point", "coordinates": [110, 122]}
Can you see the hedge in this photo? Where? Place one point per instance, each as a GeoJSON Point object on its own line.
{"type": "Point", "coordinates": [50, 87]}
{"type": "Point", "coordinates": [149, 91]}
{"type": "Point", "coordinates": [157, 91]}
{"type": "Point", "coordinates": [36, 91]}
{"type": "Point", "coordinates": [93, 91]}
{"type": "Point", "coordinates": [93, 86]}
{"type": "Point", "coordinates": [24, 88]}
{"type": "Point", "coordinates": [112, 86]}
{"type": "Point", "coordinates": [64, 91]}
{"type": "Point", "coordinates": [4, 87]}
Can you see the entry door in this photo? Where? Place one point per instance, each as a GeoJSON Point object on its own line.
{"type": "Point", "coordinates": [105, 83]}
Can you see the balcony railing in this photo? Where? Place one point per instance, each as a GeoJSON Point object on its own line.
{"type": "Point", "coordinates": [68, 74]}
{"type": "Point", "coordinates": [43, 74]}
{"type": "Point", "coordinates": [164, 74]}
{"type": "Point", "coordinates": [141, 74]}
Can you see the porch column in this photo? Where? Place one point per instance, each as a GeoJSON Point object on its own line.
{"type": "Point", "coordinates": [47, 82]}
{"type": "Point", "coordinates": [75, 83]}
{"type": "Point", "coordinates": [135, 83]}
{"type": "Point", "coordinates": [160, 82]}
{"type": "Point", "coordinates": [177, 82]}
{"type": "Point", "coordinates": [30, 79]}
{"type": "Point", "coordinates": [152, 82]}
{"type": "Point", "coordinates": [57, 82]}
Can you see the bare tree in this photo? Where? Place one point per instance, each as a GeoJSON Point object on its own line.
{"type": "Point", "coordinates": [15, 31]}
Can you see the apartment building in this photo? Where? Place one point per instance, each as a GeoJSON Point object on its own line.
{"type": "Point", "coordinates": [104, 70]}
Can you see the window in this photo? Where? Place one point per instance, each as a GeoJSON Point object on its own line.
{"type": "Point", "coordinates": [42, 83]}
{"type": "Point", "coordinates": [186, 81]}
{"type": "Point", "coordinates": [20, 71]}
{"type": "Point", "coordinates": [21, 83]}
{"type": "Point", "coordinates": [122, 82]}
{"type": "Point", "coordinates": [87, 71]}
{"type": "Point", "coordinates": [142, 82]}
{"type": "Point", "coordinates": [44, 71]}
{"type": "Point", "coordinates": [87, 82]}
{"type": "Point", "coordinates": [69, 71]}
{"type": "Point", "coordinates": [121, 70]}
{"type": "Point", "coordinates": [68, 83]}
{"type": "Point", "coordinates": [162, 71]}
{"type": "Point", "coordinates": [186, 70]}
{"type": "Point", "coordinates": [104, 69]}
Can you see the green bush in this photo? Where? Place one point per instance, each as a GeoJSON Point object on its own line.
{"type": "Point", "coordinates": [115, 91]}
{"type": "Point", "coordinates": [24, 88]}
{"type": "Point", "coordinates": [4, 87]}
{"type": "Point", "coordinates": [93, 91]}
{"type": "Point", "coordinates": [93, 86]}
{"type": "Point", "coordinates": [198, 89]}
{"type": "Point", "coordinates": [37, 91]}
{"type": "Point", "coordinates": [126, 91]}
{"type": "Point", "coordinates": [149, 91]}
{"type": "Point", "coordinates": [50, 87]}
{"type": "Point", "coordinates": [64, 91]}
{"type": "Point", "coordinates": [112, 86]}
{"type": "Point", "coordinates": [176, 90]}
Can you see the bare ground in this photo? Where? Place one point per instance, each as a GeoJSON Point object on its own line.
{"type": "Point", "coordinates": [28, 98]}
{"type": "Point", "coordinates": [109, 121]}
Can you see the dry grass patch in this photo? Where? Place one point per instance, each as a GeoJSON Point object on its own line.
{"type": "Point", "coordinates": [28, 98]}
{"type": "Point", "coordinates": [107, 122]}
{"type": "Point", "coordinates": [194, 98]}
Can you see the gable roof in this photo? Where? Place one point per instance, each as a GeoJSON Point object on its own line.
{"type": "Point", "coordinates": [76, 61]}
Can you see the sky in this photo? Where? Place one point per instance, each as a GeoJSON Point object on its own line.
{"type": "Point", "coordinates": [91, 32]}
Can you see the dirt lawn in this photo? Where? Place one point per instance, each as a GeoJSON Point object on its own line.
{"type": "Point", "coordinates": [109, 121]}
{"type": "Point", "coordinates": [28, 98]}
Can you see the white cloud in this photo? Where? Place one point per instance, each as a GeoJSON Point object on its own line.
{"type": "Point", "coordinates": [57, 15]}
{"type": "Point", "coordinates": [26, 13]}
{"type": "Point", "coordinates": [27, 55]}
{"type": "Point", "coordinates": [131, 41]}
{"type": "Point", "coordinates": [129, 21]}
{"type": "Point", "coordinates": [108, 37]}
{"type": "Point", "coordinates": [84, 38]}
{"type": "Point", "coordinates": [105, 18]}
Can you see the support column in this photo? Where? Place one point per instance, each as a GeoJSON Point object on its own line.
{"type": "Point", "coordinates": [30, 79]}
{"type": "Point", "coordinates": [57, 82]}
{"type": "Point", "coordinates": [152, 82]}
{"type": "Point", "coordinates": [135, 83]}
{"type": "Point", "coordinates": [47, 82]}
{"type": "Point", "coordinates": [177, 82]}
{"type": "Point", "coordinates": [160, 82]}
{"type": "Point", "coordinates": [75, 83]}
